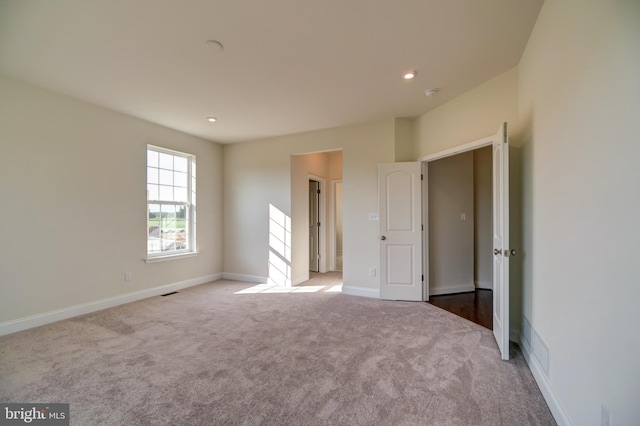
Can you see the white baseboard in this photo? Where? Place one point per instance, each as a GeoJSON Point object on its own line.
{"type": "Point", "coordinates": [244, 278]}
{"type": "Point", "coordinates": [25, 323]}
{"type": "Point", "coordinates": [451, 290]}
{"type": "Point", "coordinates": [557, 410]}
{"type": "Point", "coordinates": [487, 285]}
{"type": "Point", "coordinates": [361, 291]}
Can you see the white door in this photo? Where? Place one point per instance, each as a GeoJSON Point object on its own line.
{"type": "Point", "coordinates": [314, 226]}
{"type": "Point", "coordinates": [501, 240]}
{"type": "Point", "coordinates": [399, 190]}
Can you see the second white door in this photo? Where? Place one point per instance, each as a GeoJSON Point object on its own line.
{"type": "Point", "coordinates": [400, 195]}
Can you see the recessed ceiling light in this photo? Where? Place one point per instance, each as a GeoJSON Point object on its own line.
{"type": "Point", "coordinates": [431, 92]}
{"type": "Point", "coordinates": [409, 74]}
{"type": "Point", "coordinates": [212, 119]}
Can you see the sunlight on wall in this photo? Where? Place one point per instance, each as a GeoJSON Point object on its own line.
{"type": "Point", "coordinates": [279, 248]}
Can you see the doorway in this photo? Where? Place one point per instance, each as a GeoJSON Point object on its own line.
{"type": "Point", "coordinates": [314, 225]}
{"type": "Point", "coordinates": [459, 223]}
{"type": "Point", "coordinates": [313, 245]}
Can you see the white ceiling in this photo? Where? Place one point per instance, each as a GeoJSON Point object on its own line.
{"type": "Point", "coordinates": [287, 66]}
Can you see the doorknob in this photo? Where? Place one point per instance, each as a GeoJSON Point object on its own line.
{"type": "Point", "coordinates": [383, 238]}
{"type": "Point", "coordinates": [497, 252]}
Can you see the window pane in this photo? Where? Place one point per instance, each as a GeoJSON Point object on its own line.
{"type": "Point", "coordinates": [167, 228]}
{"type": "Point", "coordinates": [152, 158]}
{"type": "Point", "coordinates": [182, 228]}
{"type": "Point", "coordinates": [166, 177]}
{"type": "Point", "coordinates": [152, 175]}
{"type": "Point", "coordinates": [180, 179]}
{"type": "Point", "coordinates": [152, 192]}
{"type": "Point", "coordinates": [180, 164]}
{"type": "Point", "coordinates": [180, 194]}
{"type": "Point", "coordinates": [166, 161]}
{"type": "Point", "coordinates": [167, 231]}
{"type": "Point", "coordinates": [153, 228]}
{"type": "Point", "coordinates": [166, 193]}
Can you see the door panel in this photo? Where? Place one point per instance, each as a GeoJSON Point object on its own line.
{"type": "Point", "coordinates": [399, 189]}
{"type": "Point", "coordinates": [399, 196]}
{"type": "Point", "coordinates": [501, 240]}
{"type": "Point", "coordinates": [400, 264]}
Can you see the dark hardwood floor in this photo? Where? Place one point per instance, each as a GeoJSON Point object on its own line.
{"type": "Point", "coordinates": [476, 306]}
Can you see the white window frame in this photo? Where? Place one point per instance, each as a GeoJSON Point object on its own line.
{"type": "Point", "coordinates": [190, 206]}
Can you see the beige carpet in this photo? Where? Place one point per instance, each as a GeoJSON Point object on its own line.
{"type": "Point", "coordinates": [230, 353]}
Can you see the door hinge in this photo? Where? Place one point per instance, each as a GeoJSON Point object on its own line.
{"type": "Point", "coordinates": [504, 133]}
{"type": "Point", "coordinates": [421, 177]}
{"type": "Point", "coordinates": [318, 191]}
{"type": "Point", "coordinates": [422, 227]}
{"type": "Point", "coordinates": [318, 224]}
{"type": "Point", "coordinates": [423, 278]}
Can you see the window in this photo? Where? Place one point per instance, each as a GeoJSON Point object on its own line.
{"type": "Point", "coordinates": [171, 191]}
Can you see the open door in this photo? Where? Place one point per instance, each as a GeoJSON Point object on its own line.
{"type": "Point", "coordinates": [500, 144]}
{"type": "Point", "coordinates": [501, 240]}
{"type": "Point", "coordinates": [399, 190]}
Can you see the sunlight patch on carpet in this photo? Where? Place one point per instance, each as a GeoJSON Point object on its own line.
{"type": "Point", "coordinates": [274, 289]}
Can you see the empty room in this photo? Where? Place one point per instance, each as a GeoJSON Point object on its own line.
{"type": "Point", "coordinates": [223, 212]}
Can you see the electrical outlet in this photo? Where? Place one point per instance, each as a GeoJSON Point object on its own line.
{"type": "Point", "coordinates": [605, 416]}
{"type": "Point", "coordinates": [372, 272]}
{"type": "Point", "coordinates": [127, 276]}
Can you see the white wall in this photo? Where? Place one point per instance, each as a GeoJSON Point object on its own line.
{"type": "Point", "coordinates": [257, 174]}
{"type": "Point", "coordinates": [483, 217]}
{"type": "Point", "coordinates": [471, 116]}
{"type": "Point", "coordinates": [404, 139]}
{"type": "Point", "coordinates": [73, 191]}
{"type": "Point", "coordinates": [580, 107]}
{"type": "Point", "coordinates": [451, 242]}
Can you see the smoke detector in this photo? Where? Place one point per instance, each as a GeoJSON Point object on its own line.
{"type": "Point", "coordinates": [431, 92]}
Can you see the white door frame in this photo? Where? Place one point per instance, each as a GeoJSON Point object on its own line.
{"type": "Point", "coordinates": [488, 141]}
{"type": "Point", "coordinates": [425, 230]}
{"type": "Point", "coordinates": [322, 202]}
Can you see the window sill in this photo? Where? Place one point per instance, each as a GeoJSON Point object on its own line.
{"type": "Point", "coordinates": [170, 257]}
